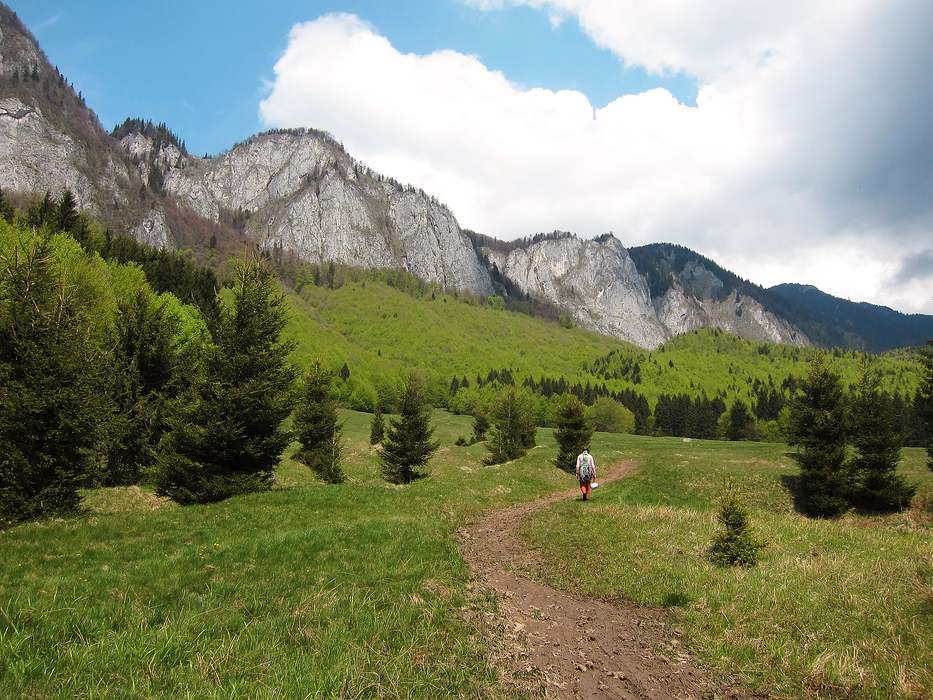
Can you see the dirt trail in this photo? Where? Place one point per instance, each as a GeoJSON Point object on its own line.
{"type": "Point", "coordinates": [575, 647]}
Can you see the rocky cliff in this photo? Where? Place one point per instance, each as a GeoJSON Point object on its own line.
{"type": "Point", "coordinates": [299, 191]}
{"type": "Point", "coordinates": [599, 284]}
{"type": "Point", "coordinates": [303, 193]}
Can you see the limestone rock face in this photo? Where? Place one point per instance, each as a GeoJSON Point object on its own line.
{"type": "Point", "coordinates": [154, 231]}
{"type": "Point", "coordinates": [304, 194]}
{"type": "Point", "coordinates": [35, 157]}
{"type": "Point", "coordinates": [597, 283]}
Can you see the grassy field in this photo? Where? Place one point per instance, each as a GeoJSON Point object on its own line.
{"type": "Point", "coordinates": [357, 590]}
{"type": "Point", "coordinates": [839, 608]}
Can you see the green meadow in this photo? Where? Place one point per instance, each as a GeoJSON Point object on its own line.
{"type": "Point", "coordinates": [358, 590]}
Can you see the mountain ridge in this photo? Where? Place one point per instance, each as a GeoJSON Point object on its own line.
{"type": "Point", "coordinates": [298, 191]}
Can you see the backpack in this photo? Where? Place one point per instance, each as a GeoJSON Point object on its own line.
{"type": "Point", "coordinates": [586, 467]}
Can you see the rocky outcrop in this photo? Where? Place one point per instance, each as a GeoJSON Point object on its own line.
{"type": "Point", "coordinates": [304, 194]}
{"type": "Point", "coordinates": [154, 230]}
{"type": "Point", "coordinates": [35, 157]}
{"type": "Point", "coordinates": [49, 140]}
{"type": "Point", "coordinates": [598, 284]}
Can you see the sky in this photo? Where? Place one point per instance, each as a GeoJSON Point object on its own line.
{"type": "Point", "coordinates": [787, 140]}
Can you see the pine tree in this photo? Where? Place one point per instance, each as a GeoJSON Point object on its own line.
{"type": "Point", "coordinates": [572, 431]}
{"type": "Point", "coordinates": [817, 426]}
{"type": "Point", "coordinates": [407, 446]}
{"type": "Point", "coordinates": [741, 422]}
{"type": "Point", "coordinates": [317, 426]}
{"type": "Point", "coordinates": [53, 397]}
{"type": "Point", "coordinates": [480, 426]}
{"type": "Point", "coordinates": [513, 432]}
{"type": "Point", "coordinates": [877, 444]}
{"type": "Point", "coordinates": [377, 428]}
{"type": "Point", "coordinates": [229, 439]}
{"type": "Point", "coordinates": [735, 545]}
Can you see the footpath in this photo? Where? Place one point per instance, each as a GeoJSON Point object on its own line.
{"type": "Point", "coordinates": [572, 647]}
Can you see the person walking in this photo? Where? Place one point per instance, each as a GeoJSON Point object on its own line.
{"type": "Point", "coordinates": [586, 471]}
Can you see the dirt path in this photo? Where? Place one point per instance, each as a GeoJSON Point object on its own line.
{"type": "Point", "coordinates": [574, 647]}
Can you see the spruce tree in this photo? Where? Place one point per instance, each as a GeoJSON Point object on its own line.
{"type": "Point", "coordinates": [571, 431]}
{"type": "Point", "coordinates": [317, 426]}
{"type": "Point", "coordinates": [513, 431]}
{"type": "Point", "coordinates": [877, 485]}
{"type": "Point", "coordinates": [53, 397]}
{"type": "Point", "coordinates": [145, 384]}
{"type": "Point", "coordinates": [407, 446]}
{"type": "Point", "coordinates": [229, 438]}
{"type": "Point", "coordinates": [923, 401]}
{"type": "Point", "coordinates": [735, 544]}
{"type": "Point", "coordinates": [741, 422]}
{"type": "Point", "coordinates": [817, 427]}
{"type": "Point", "coordinates": [480, 426]}
{"type": "Point", "coordinates": [377, 428]}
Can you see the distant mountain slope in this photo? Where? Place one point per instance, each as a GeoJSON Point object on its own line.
{"type": "Point", "coordinates": [873, 328]}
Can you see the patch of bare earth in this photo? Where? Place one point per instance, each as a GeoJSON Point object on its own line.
{"type": "Point", "coordinates": [562, 646]}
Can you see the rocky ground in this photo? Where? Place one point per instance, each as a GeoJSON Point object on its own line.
{"type": "Point", "coordinates": [565, 646]}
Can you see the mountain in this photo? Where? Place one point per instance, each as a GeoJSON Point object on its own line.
{"type": "Point", "coordinates": [299, 192]}
{"type": "Point", "coordinates": [874, 328]}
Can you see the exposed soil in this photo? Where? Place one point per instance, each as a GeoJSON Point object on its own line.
{"type": "Point", "coordinates": [564, 646]}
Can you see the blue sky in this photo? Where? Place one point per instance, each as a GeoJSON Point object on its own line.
{"type": "Point", "coordinates": [202, 67]}
{"type": "Point", "coordinates": [789, 140]}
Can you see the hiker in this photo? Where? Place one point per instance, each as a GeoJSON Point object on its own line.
{"type": "Point", "coordinates": [586, 471]}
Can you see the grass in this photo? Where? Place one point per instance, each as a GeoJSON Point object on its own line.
{"type": "Point", "coordinates": [358, 591]}
{"type": "Point", "coordinates": [306, 591]}
{"type": "Point", "coordinates": [840, 608]}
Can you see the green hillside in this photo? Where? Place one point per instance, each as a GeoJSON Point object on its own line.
{"type": "Point", "coordinates": [376, 326]}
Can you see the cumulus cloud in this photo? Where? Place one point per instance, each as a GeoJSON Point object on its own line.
{"type": "Point", "coordinates": [805, 158]}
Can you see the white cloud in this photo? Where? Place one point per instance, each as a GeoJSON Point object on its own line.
{"type": "Point", "coordinates": [802, 103]}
